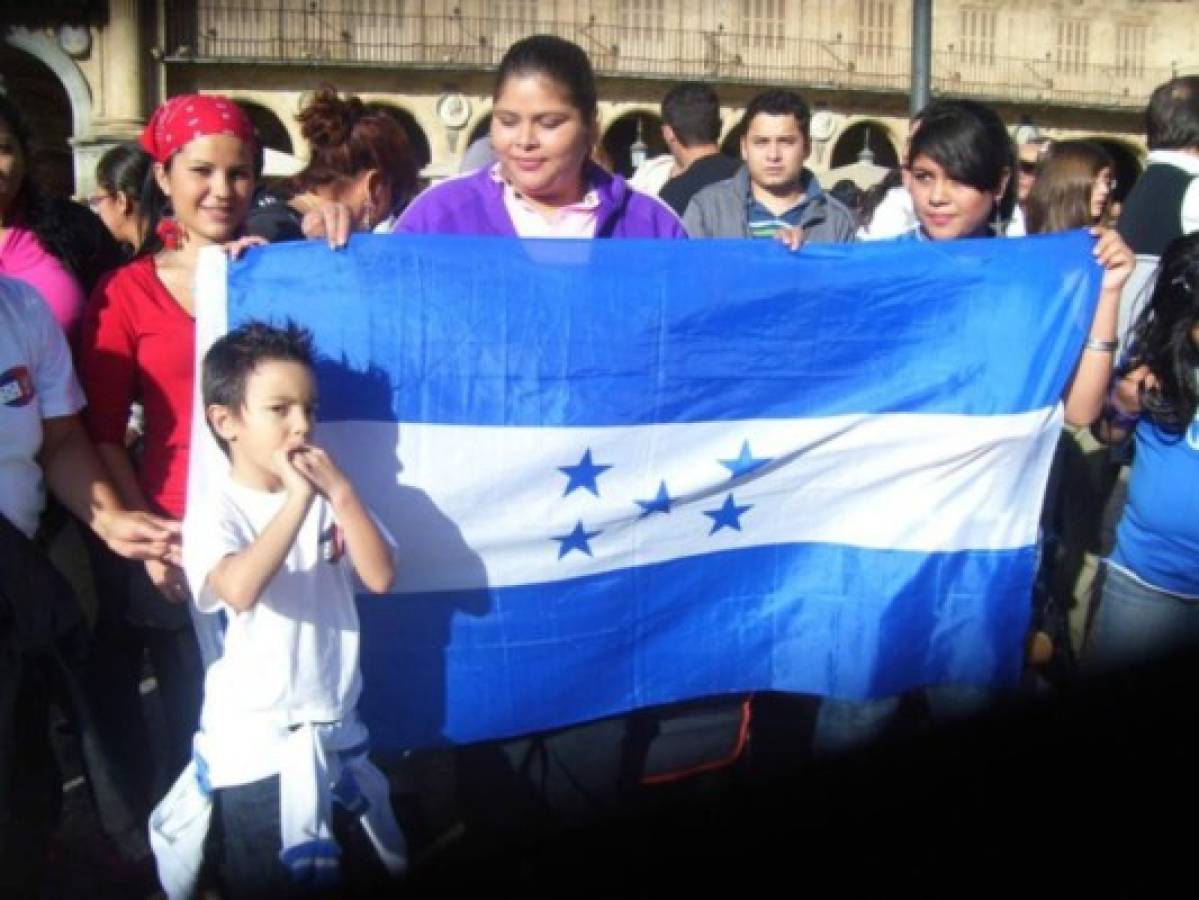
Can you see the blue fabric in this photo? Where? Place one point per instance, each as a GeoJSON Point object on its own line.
{"type": "Point", "coordinates": [1158, 535]}
{"type": "Point", "coordinates": [489, 332]}
{"type": "Point", "coordinates": [562, 333]}
{"type": "Point", "coordinates": [806, 618]}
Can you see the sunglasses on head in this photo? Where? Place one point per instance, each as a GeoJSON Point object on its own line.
{"type": "Point", "coordinates": [1028, 168]}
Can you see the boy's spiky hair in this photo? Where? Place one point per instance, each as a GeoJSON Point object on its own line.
{"type": "Point", "coordinates": [231, 360]}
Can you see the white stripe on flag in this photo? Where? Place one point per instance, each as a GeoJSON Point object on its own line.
{"type": "Point", "coordinates": [905, 482]}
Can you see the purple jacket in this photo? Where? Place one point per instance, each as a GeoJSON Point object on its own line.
{"type": "Point", "coordinates": [474, 204]}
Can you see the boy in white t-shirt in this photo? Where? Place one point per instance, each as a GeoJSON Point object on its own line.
{"type": "Point", "coordinates": [273, 552]}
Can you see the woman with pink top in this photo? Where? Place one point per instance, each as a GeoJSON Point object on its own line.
{"type": "Point", "coordinates": [57, 247]}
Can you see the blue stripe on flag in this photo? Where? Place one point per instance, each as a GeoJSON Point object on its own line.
{"type": "Point", "coordinates": [813, 618]}
{"type": "Point", "coordinates": [561, 333]}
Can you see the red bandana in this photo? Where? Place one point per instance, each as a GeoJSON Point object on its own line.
{"type": "Point", "coordinates": [183, 119]}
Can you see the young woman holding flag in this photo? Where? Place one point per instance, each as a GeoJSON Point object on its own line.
{"type": "Point", "coordinates": [137, 346]}
{"type": "Point", "coordinates": [960, 173]}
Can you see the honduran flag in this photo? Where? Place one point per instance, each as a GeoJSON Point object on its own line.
{"type": "Point", "coordinates": [626, 473]}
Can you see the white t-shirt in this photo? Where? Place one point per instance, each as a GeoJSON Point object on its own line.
{"type": "Point", "coordinates": [1017, 227]}
{"type": "Point", "coordinates": [295, 652]}
{"type": "Point", "coordinates": [37, 382]}
{"type": "Point", "coordinates": [894, 216]}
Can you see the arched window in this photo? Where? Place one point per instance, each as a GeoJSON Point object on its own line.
{"type": "Point", "coordinates": [270, 128]}
{"type": "Point", "coordinates": [42, 100]}
{"type": "Point", "coordinates": [617, 142]}
{"type": "Point", "coordinates": [864, 142]}
{"type": "Point", "coordinates": [418, 141]}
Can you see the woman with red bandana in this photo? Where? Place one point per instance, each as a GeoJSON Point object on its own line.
{"type": "Point", "coordinates": [137, 345]}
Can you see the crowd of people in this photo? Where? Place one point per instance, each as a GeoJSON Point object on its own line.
{"type": "Point", "coordinates": [97, 378]}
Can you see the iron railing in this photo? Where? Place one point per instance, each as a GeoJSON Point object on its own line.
{"type": "Point", "coordinates": [354, 33]}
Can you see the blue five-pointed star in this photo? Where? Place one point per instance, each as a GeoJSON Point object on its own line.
{"type": "Point", "coordinates": [583, 475]}
{"type": "Point", "coordinates": [728, 516]}
{"type": "Point", "coordinates": [745, 463]}
{"type": "Point", "coordinates": [576, 540]}
{"type": "Point", "coordinates": [660, 503]}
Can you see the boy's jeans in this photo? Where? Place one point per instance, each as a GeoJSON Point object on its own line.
{"type": "Point", "coordinates": [251, 841]}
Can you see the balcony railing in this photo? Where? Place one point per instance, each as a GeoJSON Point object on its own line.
{"type": "Point", "coordinates": [285, 31]}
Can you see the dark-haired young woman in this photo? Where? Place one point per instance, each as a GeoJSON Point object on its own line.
{"type": "Point", "coordinates": [121, 176]}
{"type": "Point", "coordinates": [1073, 188]}
{"type": "Point", "coordinates": [543, 129]}
{"type": "Point", "coordinates": [544, 184]}
{"type": "Point", "coordinates": [960, 178]}
{"type": "Point", "coordinates": [960, 167]}
{"type": "Point", "coordinates": [360, 169]}
{"type": "Point", "coordinates": [137, 346]}
{"type": "Point", "coordinates": [1149, 601]}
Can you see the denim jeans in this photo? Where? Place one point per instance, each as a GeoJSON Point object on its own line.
{"type": "Point", "coordinates": [129, 626]}
{"type": "Point", "coordinates": [843, 725]}
{"type": "Point", "coordinates": [249, 842]}
{"type": "Point", "coordinates": [1135, 623]}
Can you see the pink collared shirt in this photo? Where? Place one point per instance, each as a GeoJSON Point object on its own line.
{"type": "Point", "coordinates": [578, 220]}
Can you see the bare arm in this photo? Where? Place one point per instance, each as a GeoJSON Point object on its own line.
{"type": "Point", "coordinates": [76, 476]}
{"type": "Point", "coordinates": [166, 575]}
{"type": "Point", "coordinates": [240, 578]}
{"type": "Point", "coordinates": [369, 553]}
{"type": "Point", "coordinates": [1123, 405]}
{"type": "Point", "coordinates": [1086, 391]}
{"type": "Point", "coordinates": [124, 479]}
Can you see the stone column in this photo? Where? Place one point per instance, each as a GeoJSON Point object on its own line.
{"type": "Point", "coordinates": [118, 86]}
{"type": "Point", "coordinates": [121, 106]}
{"type": "Point", "coordinates": [122, 70]}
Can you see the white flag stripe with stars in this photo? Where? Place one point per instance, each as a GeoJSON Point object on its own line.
{"type": "Point", "coordinates": [901, 482]}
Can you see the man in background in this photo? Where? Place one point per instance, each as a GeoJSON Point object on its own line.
{"type": "Point", "coordinates": [691, 129]}
{"type": "Point", "coordinates": [1164, 203]}
{"type": "Point", "coordinates": [773, 190]}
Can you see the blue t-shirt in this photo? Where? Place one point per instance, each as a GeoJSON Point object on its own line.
{"type": "Point", "coordinates": [1158, 536]}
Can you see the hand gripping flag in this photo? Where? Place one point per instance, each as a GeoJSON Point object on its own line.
{"type": "Point", "coordinates": [625, 473]}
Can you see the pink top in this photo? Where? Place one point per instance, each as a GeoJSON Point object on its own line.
{"type": "Point", "coordinates": [578, 220]}
{"type": "Point", "coordinates": [22, 256]}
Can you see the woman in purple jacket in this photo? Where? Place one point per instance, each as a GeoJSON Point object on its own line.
{"type": "Point", "coordinates": [543, 183]}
